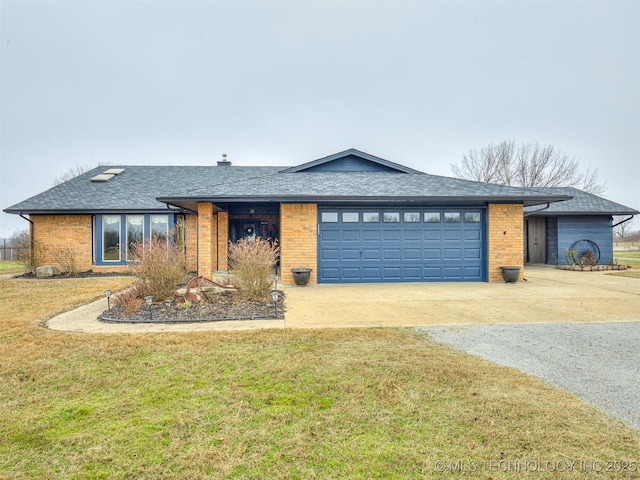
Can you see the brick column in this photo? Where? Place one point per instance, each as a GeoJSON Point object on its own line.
{"type": "Point", "coordinates": [223, 241]}
{"type": "Point", "coordinates": [298, 240]}
{"type": "Point", "coordinates": [505, 239]}
{"type": "Point", "coordinates": [206, 240]}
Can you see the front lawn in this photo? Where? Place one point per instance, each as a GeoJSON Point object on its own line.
{"type": "Point", "coordinates": [342, 403]}
{"type": "Point", "coordinates": [10, 266]}
{"type": "Point", "coordinates": [631, 259]}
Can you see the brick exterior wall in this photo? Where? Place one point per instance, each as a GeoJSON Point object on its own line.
{"type": "Point", "coordinates": [298, 240]}
{"type": "Point", "coordinates": [57, 232]}
{"type": "Point", "coordinates": [505, 239]}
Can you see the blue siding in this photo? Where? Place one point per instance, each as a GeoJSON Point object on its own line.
{"type": "Point", "coordinates": [351, 163]}
{"type": "Point", "coordinates": [552, 241]}
{"type": "Point", "coordinates": [595, 228]}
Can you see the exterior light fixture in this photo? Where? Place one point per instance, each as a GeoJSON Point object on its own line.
{"type": "Point", "coordinates": [107, 293]}
{"type": "Point", "coordinates": [149, 300]}
{"type": "Point", "coordinates": [275, 295]}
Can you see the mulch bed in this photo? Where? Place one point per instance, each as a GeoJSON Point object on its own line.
{"type": "Point", "coordinates": [222, 306]}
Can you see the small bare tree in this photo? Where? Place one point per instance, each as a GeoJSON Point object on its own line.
{"type": "Point", "coordinates": [71, 173]}
{"type": "Point", "coordinates": [526, 165]}
{"type": "Point", "coordinates": [31, 252]}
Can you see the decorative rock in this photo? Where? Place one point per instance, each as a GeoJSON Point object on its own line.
{"type": "Point", "coordinates": [47, 271]}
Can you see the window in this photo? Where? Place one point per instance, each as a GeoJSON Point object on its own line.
{"type": "Point", "coordinates": [113, 235]}
{"type": "Point", "coordinates": [451, 217]}
{"type": "Point", "coordinates": [111, 238]}
{"type": "Point", "coordinates": [370, 217]}
{"type": "Point", "coordinates": [391, 217]}
{"type": "Point", "coordinates": [135, 230]}
{"type": "Point", "coordinates": [411, 217]}
{"type": "Point", "coordinates": [160, 227]}
{"type": "Point", "coordinates": [472, 217]}
{"type": "Point", "coordinates": [350, 217]}
{"type": "Point", "coordinates": [432, 217]}
{"type": "Point", "coordinates": [329, 217]}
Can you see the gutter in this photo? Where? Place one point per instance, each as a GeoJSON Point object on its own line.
{"type": "Point", "coordinates": [546, 207]}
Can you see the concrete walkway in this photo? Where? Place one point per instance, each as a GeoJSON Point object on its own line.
{"type": "Point", "coordinates": [548, 295]}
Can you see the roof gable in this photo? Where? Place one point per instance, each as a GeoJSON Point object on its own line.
{"type": "Point", "coordinates": [351, 160]}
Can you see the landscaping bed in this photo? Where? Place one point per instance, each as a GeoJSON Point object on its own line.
{"type": "Point", "coordinates": [220, 306]}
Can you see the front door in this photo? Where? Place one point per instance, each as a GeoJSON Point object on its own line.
{"type": "Point", "coordinates": [536, 240]}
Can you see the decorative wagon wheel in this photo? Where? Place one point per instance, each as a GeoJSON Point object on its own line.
{"type": "Point", "coordinates": [585, 252]}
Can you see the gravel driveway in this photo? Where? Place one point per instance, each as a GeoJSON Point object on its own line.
{"type": "Point", "coordinates": [598, 362]}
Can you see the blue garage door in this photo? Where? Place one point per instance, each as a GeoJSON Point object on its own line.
{"type": "Point", "coordinates": [400, 245]}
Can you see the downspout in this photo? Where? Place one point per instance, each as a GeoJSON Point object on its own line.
{"type": "Point", "coordinates": [32, 242]}
{"type": "Point", "coordinates": [622, 221]}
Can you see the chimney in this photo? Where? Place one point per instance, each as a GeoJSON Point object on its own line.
{"type": "Point", "coordinates": [224, 162]}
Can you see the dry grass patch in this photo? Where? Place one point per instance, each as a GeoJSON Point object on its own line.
{"type": "Point", "coordinates": [352, 403]}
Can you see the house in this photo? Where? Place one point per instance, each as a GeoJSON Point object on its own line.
{"type": "Point", "coordinates": [552, 231]}
{"type": "Point", "coordinates": [350, 217]}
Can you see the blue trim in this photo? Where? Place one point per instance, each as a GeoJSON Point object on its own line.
{"type": "Point", "coordinates": [97, 235]}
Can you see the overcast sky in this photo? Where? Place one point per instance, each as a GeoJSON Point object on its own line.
{"type": "Point", "coordinates": [282, 83]}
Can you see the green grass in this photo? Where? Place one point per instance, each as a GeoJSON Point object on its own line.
{"type": "Point", "coordinates": [631, 259]}
{"type": "Point", "coordinates": [8, 266]}
{"type": "Point", "coordinates": [346, 403]}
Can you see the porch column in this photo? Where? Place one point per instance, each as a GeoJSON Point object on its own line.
{"type": "Point", "coordinates": [207, 240]}
{"type": "Point", "coordinates": [223, 240]}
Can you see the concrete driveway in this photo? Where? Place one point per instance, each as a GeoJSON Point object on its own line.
{"type": "Point", "coordinates": [549, 295]}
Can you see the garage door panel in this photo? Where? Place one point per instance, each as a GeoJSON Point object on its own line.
{"type": "Point", "coordinates": [414, 247]}
{"type": "Point", "coordinates": [371, 273]}
{"type": "Point", "coordinates": [432, 253]}
{"type": "Point", "coordinates": [452, 235]}
{"type": "Point", "coordinates": [350, 254]}
{"type": "Point", "coordinates": [351, 273]}
{"type": "Point", "coordinates": [472, 253]}
{"type": "Point", "coordinates": [432, 235]}
{"type": "Point", "coordinates": [389, 235]}
{"type": "Point", "coordinates": [351, 236]}
{"type": "Point", "coordinates": [452, 253]}
{"type": "Point", "coordinates": [391, 254]}
{"type": "Point", "coordinates": [329, 235]}
{"type": "Point", "coordinates": [412, 235]}
{"type": "Point", "coordinates": [412, 254]}
{"type": "Point", "coordinates": [330, 254]}
{"type": "Point", "coordinates": [472, 235]}
{"type": "Point", "coordinates": [371, 235]}
{"type": "Point", "coordinates": [330, 274]}
{"type": "Point", "coordinates": [392, 273]}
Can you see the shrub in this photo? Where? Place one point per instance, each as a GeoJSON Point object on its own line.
{"type": "Point", "coordinates": [131, 298]}
{"type": "Point", "coordinates": [66, 258]}
{"type": "Point", "coordinates": [159, 266]}
{"type": "Point", "coordinates": [252, 261]}
{"type": "Point", "coordinates": [30, 254]}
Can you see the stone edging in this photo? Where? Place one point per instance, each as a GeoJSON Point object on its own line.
{"type": "Point", "coordinates": [590, 268]}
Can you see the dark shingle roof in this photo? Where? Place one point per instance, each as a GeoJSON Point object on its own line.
{"type": "Point", "coordinates": [140, 187]}
{"type": "Point", "coordinates": [582, 203]}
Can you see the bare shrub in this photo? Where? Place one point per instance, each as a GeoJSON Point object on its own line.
{"type": "Point", "coordinates": [66, 258]}
{"type": "Point", "coordinates": [252, 262]}
{"type": "Point", "coordinates": [159, 267]}
{"type": "Point", "coordinates": [131, 298]}
{"type": "Point", "coordinates": [31, 254]}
